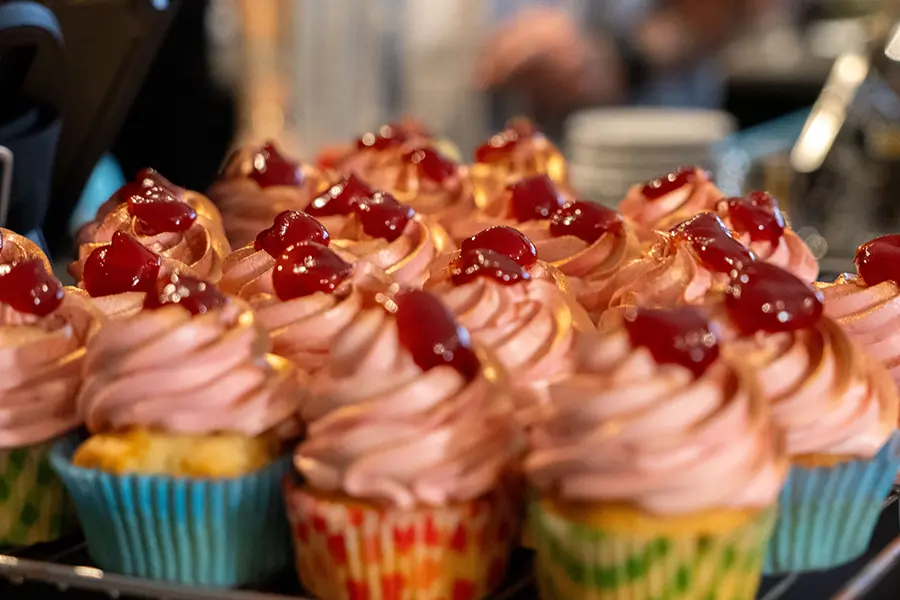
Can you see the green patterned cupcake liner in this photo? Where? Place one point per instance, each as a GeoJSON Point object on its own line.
{"type": "Point", "coordinates": [578, 562]}
{"type": "Point", "coordinates": [34, 506]}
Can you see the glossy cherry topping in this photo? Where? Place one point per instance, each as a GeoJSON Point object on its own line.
{"type": "Point", "coordinates": [758, 216]}
{"type": "Point", "coordinates": [486, 263]}
{"type": "Point", "coordinates": [587, 221]}
{"type": "Point", "coordinates": [305, 269]}
{"type": "Point", "coordinates": [533, 198]}
{"type": "Point", "coordinates": [382, 216]}
{"type": "Point", "coordinates": [290, 227]}
{"type": "Point", "coordinates": [124, 265]}
{"type": "Point", "coordinates": [27, 287]}
{"type": "Point", "coordinates": [161, 216]}
{"type": "Point", "coordinates": [149, 184]}
{"type": "Point", "coordinates": [878, 260]}
{"type": "Point", "coordinates": [764, 297]}
{"type": "Point", "coordinates": [271, 168]}
{"type": "Point", "coordinates": [499, 147]}
{"type": "Point", "coordinates": [431, 164]}
{"type": "Point", "coordinates": [503, 240]}
{"type": "Point", "coordinates": [711, 241]}
{"type": "Point", "coordinates": [430, 333]}
{"type": "Point", "coordinates": [387, 136]}
{"type": "Point", "coordinates": [680, 336]}
{"type": "Point", "coordinates": [659, 187]}
{"type": "Point", "coordinates": [194, 295]}
{"type": "Point", "coordinates": [340, 197]}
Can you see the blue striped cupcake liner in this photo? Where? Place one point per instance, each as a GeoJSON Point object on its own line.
{"type": "Point", "coordinates": [202, 532]}
{"type": "Point", "coordinates": [827, 515]}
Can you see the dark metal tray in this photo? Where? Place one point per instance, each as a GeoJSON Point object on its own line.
{"type": "Point", "coordinates": [62, 569]}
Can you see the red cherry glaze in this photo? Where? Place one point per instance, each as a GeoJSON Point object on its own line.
{"type": "Point", "coordinates": [503, 240]}
{"type": "Point", "coordinates": [711, 241]}
{"type": "Point", "coordinates": [194, 295]}
{"type": "Point", "coordinates": [534, 199]}
{"type": "Point", "coordinates": [585, 220]}
{"type": "Point", "coordinates": [149, 185]}
{"type": "Point", "coordinates": [122, 266]}
{"type": "Point", "coordinates": [161, 216]}
{"type": "Point", "coordinates": [486, 263]}
{"type": "Point", "coordinates": [764, 297]}
{"type": "Point", "coordinates": [305, 269]}
{"type": "Point", "coordinates": [271, 168]}
{"type": "Point", "coordinates": [431, 164]}
{"type": "Point", "coordinates": [27, 287]}
{"type": "Point", "coordinates": [387, 136]}
{"type": "Point", "coordinates": [340, 197]}
{"type": "Point", "coordinates": [429, 332]}
{"type": "Point", "coordinates": [679, 336]}
{"type": "Point", "coordinates": [382, 216]}
{"type": "Point", "coordinates": [758, 216]}
{"type": "Point", "coordinates": [878, 260]}
{"type": "Point", "coordinates": [290, 227]}
{"type": "Point", "coordinates": [659, 187]}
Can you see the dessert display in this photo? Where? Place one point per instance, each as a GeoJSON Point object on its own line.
{"type": "Point", "coordinates": [43, 331]}
{"type": "Point", "coordinates": [527, 322]}
{"type": "Point", "coordinates": [373, 226]}
{"type": "Point", "coordinates": [256, 185]}
{"type": "Point", "coordinates": [837, 408]}
{"type": "Point", "coordinates": [658, 472]}
{"type": "Point", "coordinates": [407, 470]}
{"type": "Point", "coordinates": [180, 226]}
{"type": "Point", "coordinates": [662, 203]}
{"type": "Point", "coordinates": [191, 422]}
{"type": "Point", "coordinates": [517, 152]}
{"type": "Point", "coordinates": [303, 292]}
{"type": "Point", "coordinates": [866, 304]}
{"type": "Point", "coordinates": [589, 243]}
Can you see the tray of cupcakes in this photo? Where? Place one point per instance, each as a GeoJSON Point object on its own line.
{"type": "Point", "coordinates": [388, 375]}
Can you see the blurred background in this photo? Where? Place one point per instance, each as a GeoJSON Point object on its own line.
{"type": "Point", "coordinates": [795, 96]}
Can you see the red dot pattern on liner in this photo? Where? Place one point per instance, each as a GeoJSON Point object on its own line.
{"type": "Point", "coordinates": [423, 554]}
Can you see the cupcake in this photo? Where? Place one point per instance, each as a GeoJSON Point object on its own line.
{"type": "Point", "coordinates": [589, 243]}
{"type": "Point", "coordinates": [526, 321]}
{"type": "Point", "coordinates": [657, 472]}
{"type": "Point", "coordinates": [43, 330]}
{"type": "Point", "coordinates": [690, 265]}
{"type": "Point", "coordinates": [406, 487]}
{"type": "Point", "coordinates": [378, 156]}
{"type": "Point", "coordinates": [757, 222]}
{"type": "Point", "coordinates": [190, 424]}
{"type": "Point", "coordinates": [517, 152]}
{"type": "Point", "coordinates": [256, 185]}
{"type": "Point", "coordinates": [303, 309]}
{"type": "Point", "coordinates": [373, 226]}
{"type": "Point", "coordinates": [867, 305]}
{"type": "Point", "coordinates": [837, 408]}
{"type": "Point", "coordinates": [528, 204]}
{"type": "Point", "coordinates": [181, 226]}
{"type": "Point", "coordinates": [662, 203]}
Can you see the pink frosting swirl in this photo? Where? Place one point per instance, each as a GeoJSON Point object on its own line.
{"type": "Point", "coordinates": [206, 374]}
{"type": "Point", "coordinates": [386, 430]}
{"type": "Point", "coordinates": [870, 315]}
{"type": "Point", "coordinates": [590, 268]}
{"type": "Point", "coordinates": [41, 360]}
{"type": "Point", "coordinates": [626, 429]}
{"type": "Point", "coordinates": [661, 214]}
{"type": "Point", "coordinates": [446, 203]}
{"type": "Point", "coordinates": [199, 251]}
{"type": "Point", "coordinates": [823, 391]}
{"type": "Point", "coordinates": [302, 329]}
{"type": "Point", "coordinates": [248, 208]}
{"type": "Point", "coordinates": [790, 252]}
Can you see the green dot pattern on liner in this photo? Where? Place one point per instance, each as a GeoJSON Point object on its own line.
{"type": "Point", "coordinates": [34, 507]}
{"type": "Point", "coordinates": [577, 562]}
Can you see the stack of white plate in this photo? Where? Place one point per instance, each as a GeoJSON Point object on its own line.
{"type": "Point", "coordinates": [612, 149]}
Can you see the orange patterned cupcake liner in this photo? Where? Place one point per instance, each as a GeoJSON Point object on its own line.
{"type": "Point", "coordinates": [348, 550]}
